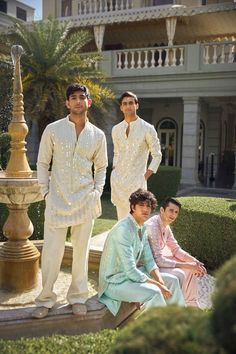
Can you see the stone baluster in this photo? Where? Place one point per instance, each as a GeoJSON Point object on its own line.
{"type": "Point", "coordinates": [174, 57]}
{"type": "Point", "coordinates": [121, 4]}
{"type": "Point", "coordinates": [181, 59]}
{"type": "Point", "coordinates": [160, 58]}
{"type": "Point", "coordinates": [153, 58]}
{"type": "Point", "coordinates": [90, 9]}
{"type": "Point", "coordinates": [116, 6]}
{"type": "Point", "coordinates": [214, 58]}
{"type": "Point", "coordinates": [145, 59]}
{"type": "Point", "coordinates": [119, 60]}
{"type": "Point", "coordinates": [132, 63]}
{"type": "Point", "coordinates": [206, 54]}
{"type": "Point", "coordinates": [222, 55]}
{"type": "Point", "coordinates": [139, 59]}
{"type": "Point", "coordinates": [231, 57]}
{"type": "Point", "coordinates": [126, 61]}
{"type": "Point", "coordinates": [167, 60]}
{"type": "Point", "coordinates": [105, 6]}
{"type": "Point", "coordinates": [80, 8]}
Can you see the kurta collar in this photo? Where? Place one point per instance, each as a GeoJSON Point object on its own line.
{"type": "Point", "coordinates": [162, 226]}
{"type": "Point", "coordinates": [133, 123]}
{"type": "Point", "coordinates": [73, 124]}
{"type": "Point", "coordinates": [137, 226]}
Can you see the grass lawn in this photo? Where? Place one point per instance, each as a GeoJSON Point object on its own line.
{"type": "Point", "coordinates": [108, 217]}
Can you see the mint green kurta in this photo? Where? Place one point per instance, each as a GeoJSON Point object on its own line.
{"type": "Point", "coordinates": [122, 251]}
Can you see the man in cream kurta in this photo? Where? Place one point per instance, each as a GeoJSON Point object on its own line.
{"type": "Point", "coordinates": [72, 195]}
{"type": "Point", "coordinates": [133, 140]}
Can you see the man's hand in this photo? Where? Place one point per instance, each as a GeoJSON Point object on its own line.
{"type": "Point", "coordinates": [196, 267]}
{"type": "Point", "coordinates": [165, 291]}
{"type": "Point", "coordinates": [148, 174]}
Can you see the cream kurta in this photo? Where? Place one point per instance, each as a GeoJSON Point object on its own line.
{"type": "Point", "coordinates": [73, 192]}
{"type": "Point", "coordinates": [130, 158]}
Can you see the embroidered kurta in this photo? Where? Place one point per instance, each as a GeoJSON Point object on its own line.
{"type": "Point", "coordinates": [73, 190]}
{"type": "Point", "coordinates": [122, 251]}
{"type": "Point", "coordinates": [161, 236]}
{"type": "Point", "coordinates": [130, 158]}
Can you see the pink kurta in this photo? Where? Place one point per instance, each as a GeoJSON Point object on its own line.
{"type": "Point", "coordinates": [160, 237]}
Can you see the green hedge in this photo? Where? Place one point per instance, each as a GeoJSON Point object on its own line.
{"type": "Point", "coordinates": [93, 343]}
{"type": "Point", "coordinates": [206, 228]}
{"type": "Point", "coordinates": [167, 330]}
{"type": "Point", "coordinates": [5, 140]}
{"type": "Point", "coordinates": [223, 318]}
{"type": "Point", "coordinates": [165, 182]}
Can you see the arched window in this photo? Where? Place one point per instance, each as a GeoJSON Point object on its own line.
{"type": "Point", "coordinates": [167, 132]}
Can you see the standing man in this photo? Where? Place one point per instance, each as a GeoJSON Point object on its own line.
{"type": "Point", "coordinates": [120, 278]}
{"type": "Point", "coordinates": [133, 140]}
{"type": "Point", "coordinates": [73, 145]}
{"type": "Point", "coordinates": [186, 267]}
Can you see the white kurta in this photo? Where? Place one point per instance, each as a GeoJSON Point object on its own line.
{"type": "Point", "coordinates": [131, 157]}
{"type": "Point", "coordinates": [73, 191]}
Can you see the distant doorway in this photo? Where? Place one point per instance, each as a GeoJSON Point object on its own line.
{"type": "Point", "coordinates": [167, 132]}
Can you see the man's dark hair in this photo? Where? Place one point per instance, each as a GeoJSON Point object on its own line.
{"type": "Point", "coordinates": [128, 94]}
{"type": "Point", "coordinates": [171, 200]}
{"type": "Point", "coordinates": [77, 87]}
{"type": "Point", "coordinates": [140, 196]}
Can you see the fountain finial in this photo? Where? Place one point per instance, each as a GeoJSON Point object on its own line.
{"type": "Point", "coordinates": [18, 165]}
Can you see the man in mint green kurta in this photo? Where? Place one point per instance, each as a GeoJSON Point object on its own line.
{"type": "Point", "coordinates": [120, 279]}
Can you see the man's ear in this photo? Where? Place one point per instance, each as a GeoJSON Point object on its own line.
{"type": "Point", "coordinates": [90, 102]}
{"type": "Point", "coordinates": [161, 210]}
{"type": "Point", "coordinates": [67, 104]}
{"type": "Point", "coordinates": [137, 105]}
{"type": "Point", "coordinates": [132, 207]}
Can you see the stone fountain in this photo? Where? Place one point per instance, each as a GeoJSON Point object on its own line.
{"type": "Point", "coordinates": [19, 258]}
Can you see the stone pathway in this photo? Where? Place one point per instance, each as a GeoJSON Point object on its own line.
{"type": "Point", "coordinates": [10, 300]}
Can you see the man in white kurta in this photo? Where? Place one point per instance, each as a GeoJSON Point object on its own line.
{"type": "Point", "coordinates": [73, 145]}
{"type": "Point", "coordinates": [133, 140]}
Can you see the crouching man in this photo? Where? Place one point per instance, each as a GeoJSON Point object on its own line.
{"type": "Point", "coordinates": [120, 279]}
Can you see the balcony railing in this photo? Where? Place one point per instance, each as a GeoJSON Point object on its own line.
{"type": "Point", "coordinates": [219, 53]}
{"type": "Point", "coordinates": [150, 58]}
{"type": "Point", "coordinates": [87, 7]}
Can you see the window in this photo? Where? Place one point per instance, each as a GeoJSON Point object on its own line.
{"type": "Point", "coordinates": [66, 8]}
{"type": "Point", "coordinates": [3, 6]}
{"type": "Point", "coordinates": [21, 13]}
{"type": "Point", "coordinates": [167, 132]}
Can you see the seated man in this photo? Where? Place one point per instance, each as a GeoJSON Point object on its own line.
{"type": "Point", "coordinates": [119, 277]}
{"type": "Point", "coordinates": [180, 263]}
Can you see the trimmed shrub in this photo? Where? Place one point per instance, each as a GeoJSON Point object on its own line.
{"type": "Point", "coordinates": [5, 140]}
{"type": "Point", "coordinates": [223, 320]}
{"type": "Point", "coordinates": [167, 330]}
{"type": "Point", "coordinates": [206, 228]}
{"type": "Point", "coordinates": [165, 182]}
{"type": "Point", "coordinates": [92, 343]}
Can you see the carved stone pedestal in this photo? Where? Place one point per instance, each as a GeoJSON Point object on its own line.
{"type": "Point", "coordinates": [19, 258]}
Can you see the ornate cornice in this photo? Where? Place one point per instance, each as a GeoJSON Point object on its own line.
{"type": "Point", "coordinates": [145, 13]}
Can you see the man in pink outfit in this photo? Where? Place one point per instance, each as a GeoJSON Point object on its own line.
{"type": "Point", "coordinates": [180, 263]}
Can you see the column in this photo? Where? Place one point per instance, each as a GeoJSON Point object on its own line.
{"type": "Point", "coordinates": [191, 125]}
{"type": "Point", "coordinates": [213, 137]}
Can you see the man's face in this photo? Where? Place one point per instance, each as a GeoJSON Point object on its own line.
{"type": "Point", "coordinates": [169, 214]}
{"type": "Point", "coordinates": [129, 106]}
{"type": "Point", "coordinates": [78, 102]}
{"type": "Point", "coordinates": [141, 212]}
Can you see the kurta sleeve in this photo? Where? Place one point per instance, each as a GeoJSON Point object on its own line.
{"type": "Point", "coordinates": [44, 160]}
{"type": "Point", "coordinates": [154, 235]}
{"type": "Point", "coordinates": [149, 262]}
{"type": "Point", "coordinates": [100, 165]}
{"type": "Point", "coordinates": [125, 252]}
{"type": "Point", "coordinates": [155, 149]}
{"type": "Point", "coordinates": [175, 248]}
{"type": "Point", "coordinates": [115, 146]}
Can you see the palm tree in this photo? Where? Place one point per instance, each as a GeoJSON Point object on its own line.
{"type": "Point", "coordinates": [52, 59]}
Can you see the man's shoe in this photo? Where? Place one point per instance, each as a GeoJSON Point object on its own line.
{"type": "Point", "coordinates": [40, 312]}
{"type": "Point", "coordinates": [79, 309]}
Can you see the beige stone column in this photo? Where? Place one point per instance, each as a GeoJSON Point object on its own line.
{"type": "Point", "coordinates": [191, 126]}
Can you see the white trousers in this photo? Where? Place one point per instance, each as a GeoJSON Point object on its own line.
{"type": "Point", "coordinates": [52, 254]}
{"type": "Point", "coordinates": [122, 211]}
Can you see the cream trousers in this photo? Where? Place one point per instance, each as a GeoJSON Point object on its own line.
{"type": "Point", "coordinates": [52, 254]}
